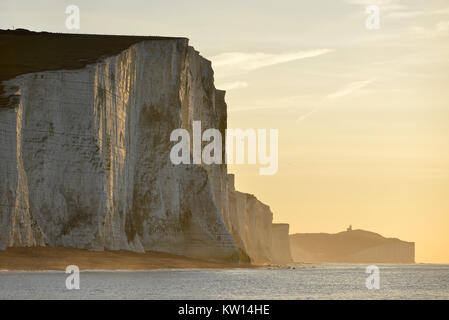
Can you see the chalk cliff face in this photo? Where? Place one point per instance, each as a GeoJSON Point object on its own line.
{"type": "Point", "coordinates": [85, 157]}
{"type": "Point", "coordinates": [280, 244]}
{"type": "Point", "coordinates": [250, 223]}
{"type": "Point", "coordinates": [354, 246]}
{"type": "Point", "coordinates": [85, 150]}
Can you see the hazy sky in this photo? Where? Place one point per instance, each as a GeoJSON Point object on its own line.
{"type": "Point", "coordinates": [363, 114]}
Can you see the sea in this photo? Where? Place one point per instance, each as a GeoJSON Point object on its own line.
{"type": "Point", "coordinates": [321, 281]}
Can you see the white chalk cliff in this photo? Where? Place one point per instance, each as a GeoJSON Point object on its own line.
{"type": "Point", "coordinates": [85, 156]}
{"type": "Point", "coordinates": [280, 244]}
{"type": "Point", "coordinates": [85, 160]}
{"type": "Point", "coordinates": [249, 221]}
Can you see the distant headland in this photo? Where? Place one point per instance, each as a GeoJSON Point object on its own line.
{"type": "Point", "coordinates": [350, 246]}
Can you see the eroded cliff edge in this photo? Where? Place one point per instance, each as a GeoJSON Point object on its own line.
{"type": "Point", "coordinates": [85, 157]}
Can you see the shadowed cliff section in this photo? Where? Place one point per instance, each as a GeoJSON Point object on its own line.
{"type": "Point", "coordinates": [352, 246]}
{"type": "Point", "coordinates": [23, 51]}
{"type": "Point", "coordinates": [280, 245]}
{"type": "Point", "coordinates": [250, 222]}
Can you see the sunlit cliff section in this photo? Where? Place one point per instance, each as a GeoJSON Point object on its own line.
{"type": "Point", "coordinates": [85, 144]}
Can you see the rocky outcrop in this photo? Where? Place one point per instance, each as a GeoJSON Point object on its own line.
{"type": "Point", "coordinates": [251, 224]}
{"type": "Point", "coordinates": [85, 156]}
{"type": "Point", "coordinates": [280, 244]}
{"type": "Point", "coordinates": [352, 246]}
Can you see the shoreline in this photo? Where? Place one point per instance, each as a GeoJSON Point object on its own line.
{"type": "Point", "coordinates": [46, 259]}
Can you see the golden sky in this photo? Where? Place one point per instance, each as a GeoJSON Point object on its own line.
{"type": "Point", "coordinates": [363, 115]}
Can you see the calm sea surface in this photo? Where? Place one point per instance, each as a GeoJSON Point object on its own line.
{"type": "Point", "coordinates": [304, 282]}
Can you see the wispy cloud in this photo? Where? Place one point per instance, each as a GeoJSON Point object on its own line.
{"type": "Point", "coordinates": [439, 29]}
{"type": "Point", "coordinates": [350, 88]}
{"type": "Point", "coordinates": [232, 63]}
{"type": "Point", "coordinates": [343, 92]}
{"type": "Point", "coordinates": [406, 14]}
{"type": "Point", "coordinates": [442, 26]}
{"type": "Point", "coordinates": [233, 85]}
{"type": "Point", "coordinates": [418, 13]}
{"type": "Point", "coordinates": [258, 108]}
{"type": "Point", "coordinates": [288, 102]}
{"type": "Point", "coordinates": [384, 5]}
{"type": "Point", "coordinates": [398, 9]}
